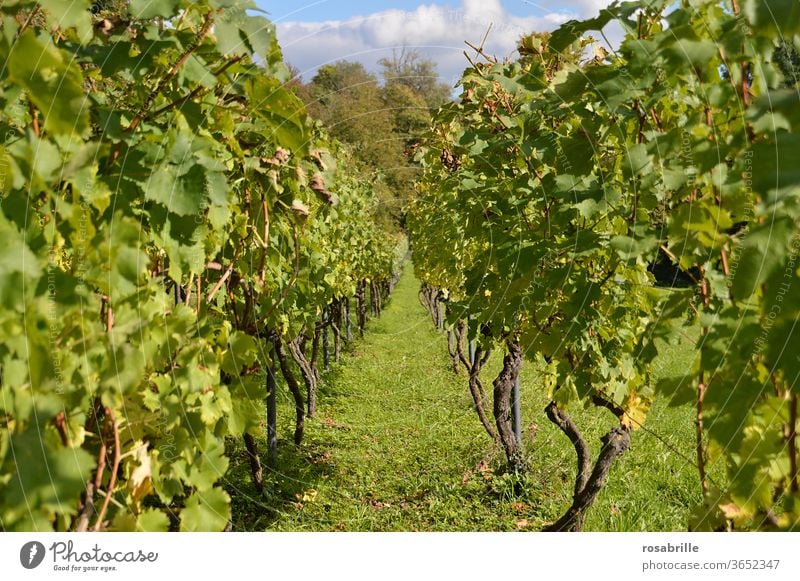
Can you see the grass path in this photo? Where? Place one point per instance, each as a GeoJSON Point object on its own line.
{"type": "Point", "coordinates": [397, 446]}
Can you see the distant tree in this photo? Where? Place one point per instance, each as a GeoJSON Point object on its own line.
{"type": "Point", "coordinates": [410, 68]}
{"type": "Point", "coordinates": [411, 113]}
{"type": "Point", "coordinates": [296, 84]}
{"type": "Point", "coordinates": [412, 91]}
{"type": "Point", "coordinates": [348, 100]}
{"type": "Point", "coordinates": [382, 123]}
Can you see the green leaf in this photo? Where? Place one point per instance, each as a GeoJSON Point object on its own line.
{"type": "Point", "coordinates": [567, 393]}
{"type": "Point", "coordinates": [238, 33]}
{"type": "Point", "coordinates": [629, 248]}
{"type": "Point", "coordinates": [572, 30]}
{"type": "Point", "coordinates": [19, 266]}
{"type": "Point", "coordinates": [207, 511]}
{"type": "Point", "coordinates": [210, 464]}
{"type": "Point", "coordinates": [152, 521]}
{"type": "Point", "coordinates": [45, 476]}
{"type": "Point", "coordinates": [577, 155]}
{"type": "Point", "coordinates": [696, 53]}
{"type": "Point", "coordinates": [729, 400]}
{"type": "Point", "coordinates": [775, 170]}
{"type": "Point", "coordinates": [6, 175]}
{"type": "Point", "coordinates": [761, 254]}
{"type": "Point", "coordinates": [779, 16]}
{"type": "Point", "coordinates": [242, 353]}
{"type": "Point", "coordinates": [69, 14]}
{"type": "Point", "coordinates": [282, 109]}
{"type": "Point", "coordinates": [120, 265]}
{"type": "Point", "coordinates": [54, 83]}
{"type": "Point", "coordinates": [636, 161]}
{"type": "Point", "coordinates": [147, 9]}
{"type": "Point", "coordinates": [184, 195]}
{"type": "Point", "coordinates": [127, 373]}
{"type": "Point", "coordinates": [784, 334]}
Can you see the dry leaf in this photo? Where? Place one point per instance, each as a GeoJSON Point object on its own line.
{"type": "Point", "coordinates": [731, 510]}
{"type": "Point", "coordinates": [141, 479]}
{"type": "Point", "coordinates": [299, 208]}
{"type": "Point", "coordinates": [318, 185]}
{"type": "Point", "coordinates": [519, 507]}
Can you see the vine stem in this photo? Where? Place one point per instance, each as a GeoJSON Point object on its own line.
{"type": "Point", "coordinates": [701, 457]}
{"type": "Point", "coordinates": [221, 281]}
{"type": "Point", "coordinates": [93, 485]}
{"type": "Point", "coordinates": [60, 422]}
{"type": "Point", "coordinates": [725, 268]}
{"type": "Point", "coordinates": [34, 119]}
{"type": "Point", "coordinates": [141, 115]}
{"type": "Point", "coordinates": [792, 445]}
{"type": "Point", "coordinates": [204, 30]}
{"type": "Point", "coordinates": [189, 289]}
{"type": "Point", "coordinates": [114, 469]}
{"type": "Point", "coordinates": [194, 92]}
{"type": "Point", "coordinates": [199, 294]}
{"type": "Point", "coordinates": [701, 394]}
{"type": "Point", "coordinates": [262, 277]}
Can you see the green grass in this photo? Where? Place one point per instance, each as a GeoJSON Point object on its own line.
{"type": "Point", "coordinates": [396, 446]}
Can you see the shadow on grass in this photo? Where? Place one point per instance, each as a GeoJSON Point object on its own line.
{"type": "Point", "coordinates": [298, 471]}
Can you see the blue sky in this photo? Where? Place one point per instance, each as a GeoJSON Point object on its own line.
{"type": "Point", "coordinates": [317, 32]}
{"type": "Point", "coordinates": [316, 10]}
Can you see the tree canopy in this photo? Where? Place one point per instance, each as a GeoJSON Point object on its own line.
{"type": "Point", "coordinates": [383, 118]}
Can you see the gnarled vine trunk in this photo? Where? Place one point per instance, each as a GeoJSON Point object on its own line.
{"type": "Point", "coordinates": [474, 371]}
{"type": "Point", "coordinates": [478, 394]}
{"type": "Point", "coordinates": [326, 354]}
{"type": "Point", "coordinates": [361, 307]}
{"type": "Point", "coordinates": [336, 325]}
{"type": "Point", "coordinates": [428, 297]}
{"type": "Point", "coordinates": [348, 325]}
{"type": "Point", "coordinates": [294, 388]}
{"type": "Point", "coordinates": [452, 349]}
{"type": "Point", "coordinates": [307, 372]}
{"type": "Point", "coordinates": [315, 350]}
{"type": "Point", "coordinates": [503, 386]}
{"type": "Point", "coordinates": [587, 484]}
{"type": "Point", "coordinates": [272, 411]}
{"type": "Point", "coordinates": [255, 462]}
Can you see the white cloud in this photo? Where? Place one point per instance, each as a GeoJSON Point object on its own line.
{"type": "Point", "coordinates": [438, 32]}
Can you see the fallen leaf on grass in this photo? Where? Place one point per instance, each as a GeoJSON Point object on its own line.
{"type": "Point", "coordinates": [519, 507]}
{"type": "Point", "coordinates": [321, 457]}
{"type": "Point", "coordinates": [309, 495]}
{"type": "Point", "coordinates": [731, 510]}
{"type": "Point", "coordinates": [331, 423]}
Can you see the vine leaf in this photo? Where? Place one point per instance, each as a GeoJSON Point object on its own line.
{"type": "Point", "coordinates": [207, 511]}
{"type": "Point", "coordinates": [762, 253]}
{"type": "Point", "coordinates": [69, 14]}
{"type": "Point", "coordinates": [146, 9]}
{"type": "Point", "coordinates": [53, 82]}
